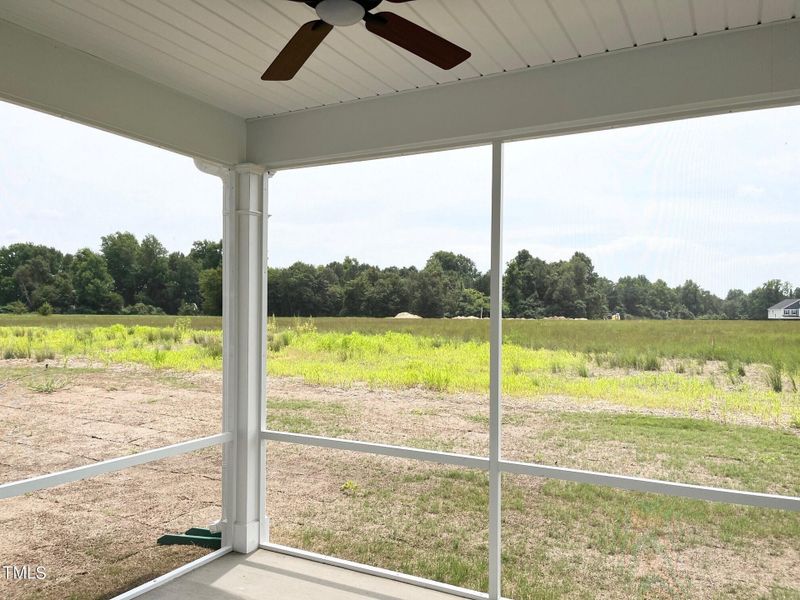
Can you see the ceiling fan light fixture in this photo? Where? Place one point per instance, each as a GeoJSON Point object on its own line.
{"type": "Point", "coordinates": [340, 12]}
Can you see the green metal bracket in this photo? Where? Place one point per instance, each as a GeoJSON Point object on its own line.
{"type": "Point", "coordinates": [194, 536]}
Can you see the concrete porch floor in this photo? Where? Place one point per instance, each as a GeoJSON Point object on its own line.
{"type": "Point", "coordinates": [264, 575]}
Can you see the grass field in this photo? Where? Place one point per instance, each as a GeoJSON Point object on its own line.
{"type": "Point", "coordinates": [712, 402]}
{"type": "Point", "coordinates": [702, 367]}
{"type": "Point", "coordinates": [768, 342]}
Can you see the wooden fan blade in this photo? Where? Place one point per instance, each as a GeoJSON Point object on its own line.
{"type": "Point", "coordinates": [416, 39]}
{"type": "Point", "coordinates": [296, 52]}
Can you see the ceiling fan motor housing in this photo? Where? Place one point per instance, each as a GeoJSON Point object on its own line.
{"type": "Point", "coordinates": [340, 12]}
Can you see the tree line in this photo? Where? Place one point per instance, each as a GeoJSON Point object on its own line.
{"type": "Point", "coordinates": [132, 276]}
{"type": "Point", "coordinates": [127, 276]}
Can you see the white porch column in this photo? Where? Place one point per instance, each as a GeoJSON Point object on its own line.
{"type": "Point", "coordinates": [244, 299]}
{"type": "Point", "coordinates": [244, 323]}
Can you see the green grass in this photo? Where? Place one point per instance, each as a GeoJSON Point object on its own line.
{"type": "Point", "coordinates": [766, 342]}
{"type": "Point", "coordinates": [774, 377]}
{"type": "Point", "coordinates": [172, 347]}
{"type": "Point", "coordinates": [678, 449]}
{"type": "Point", "coordinates": [83, 321]}
{"type": "Point", "coordinates": [566, 540]}
{"type": "Point", "coordinates": [403, 360]}
{"type": "Point", "coordinates": [48, 384]}
{"type": "Point", "coordinates": [439, 363]}
{"type": "Point", "coordinates": [561, 540]}
{"type": "Point", "coordinates": [314, 417]}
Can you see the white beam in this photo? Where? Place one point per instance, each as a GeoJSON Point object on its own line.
{"type": "Point", "coordinates": [39, 73]}
{"type": "Point", "coordinates": [709, 74]}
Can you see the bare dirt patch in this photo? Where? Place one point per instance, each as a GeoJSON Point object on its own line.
{"type": "Point", "coordinates": [97, 537]}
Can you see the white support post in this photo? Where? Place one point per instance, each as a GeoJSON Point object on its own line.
{"type": "Point", "coordinates": [495, 368]}
{"type": "Point", "coordinates": [244, 352]}
{"type": "Point", "coordinates": [244, 239]}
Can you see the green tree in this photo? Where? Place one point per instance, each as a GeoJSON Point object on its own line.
{"type": "Point", "coordinates": [207, 254]}
{"type": "Point", "coordinates": [735, 305]}
{"type": "Point", "coordinates": [457, 265]}
{"type": "Point", "coordinates": [436, 292]}
{"type": "Point", "coordinates": [663, 300]}
{"type": "Point", "coordinates": [182, 283]}
{"type": "Point", "coordinates": [473, 303]}
{"type": "Point", "coordinates": [633, 295]}
{"type": "Point", "coordinates": [152, 273]}
{"type": "Point", "coordinates": [59, 293]}
{"type": "Point", "coordinates": [690, 295]}
{"type": "Point", "coordinates": [30, 276]}
{"type": "Point", "coordinates": [211, 290]}
{"type": "Point", "coordinates": [575, 290]}
{"type": "Point", "coordinates": [121, 251]}
{"type": "Point", "coordinates": [525, 285]}
{"type": "Point", "coordinates": [306, 291]}
{"type": "Point", "coordinates": [24, 268]}
{"type": "Point", "coordinates": [388, 295]}
{"type": "Point", "coordinates": [94, 286]}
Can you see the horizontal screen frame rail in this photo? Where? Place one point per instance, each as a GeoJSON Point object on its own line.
{"type": "Point", "coordinates": [445, 458]}
{"type": "Point", "coordinates": [43, 482]}
{"type": "Point", "coordinates": [624, 482]}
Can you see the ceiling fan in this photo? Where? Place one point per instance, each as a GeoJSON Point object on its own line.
{"type": "Point", "coordinates": [389, 26]}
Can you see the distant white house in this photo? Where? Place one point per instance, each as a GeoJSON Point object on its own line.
{"type": "Point", "coordinates": [785, 309]}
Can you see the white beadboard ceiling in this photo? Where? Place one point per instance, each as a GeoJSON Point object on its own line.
{"type": "Point", "coordinates": [216, 50]}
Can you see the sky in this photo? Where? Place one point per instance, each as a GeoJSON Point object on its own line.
{"type": "Point", "coordinates": [714, 199]}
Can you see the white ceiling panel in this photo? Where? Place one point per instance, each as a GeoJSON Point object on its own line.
{"type": "Point", "coordinates": [644, 20]}
{"type": "Point", "coordinates": [541, 19]}
{"type": "Point", "coordinates": [611, 23]}
{"type": "Point", "coordinates": [777, 10]}
{"type": "Point", "coordinates": [216, 50]}
{"type": "Point", "coordinates": [739, 13]}
{"type": "Point", "coordinates": [709, 15]}
{"type": "Point", "coordinates": [579, 26]}
{"type": "Point", "coordinates": [492, 40]}
{"type": "Point", "coordinates": [676, 18]}
{"type": "Point", "coordinates": [505, 16]}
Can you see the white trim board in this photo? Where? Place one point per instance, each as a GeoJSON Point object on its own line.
{"type": "Point", "coordinates": [40, 73]}
{"type": "Point", "coordinates": [733, 70]}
